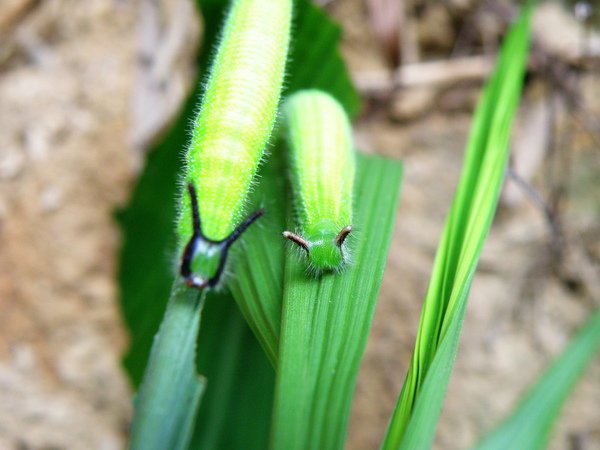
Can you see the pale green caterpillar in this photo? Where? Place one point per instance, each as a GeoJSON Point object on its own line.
{"type": "Point", "coordinates": [322, 166]}
{"type": "Point", "coordinates": [230, 133]}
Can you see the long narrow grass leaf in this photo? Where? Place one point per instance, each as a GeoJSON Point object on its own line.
{"type": "Point", "coordinates": [530, 426]}
{"type": "Point", "coordinates": [166, 404]}
{"type": "Point", "coordinates": [326, 321]}
{"type": "Point", "coordinates": [413, 422]}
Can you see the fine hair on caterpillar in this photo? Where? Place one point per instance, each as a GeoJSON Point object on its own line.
{"type": "Point", "coordinates": [230, 133]}
{"type": "Point", "coordinates": [304, 246]}
{"type": "Point", "coordinates": [312, 268]}
{"type": "Point", "coordinates": [205, 247]}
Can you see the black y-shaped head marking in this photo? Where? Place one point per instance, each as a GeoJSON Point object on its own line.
{"type": "Point", "coordinates": [197, 281]}
{"type": "Point", "coordinates": [197, 226]}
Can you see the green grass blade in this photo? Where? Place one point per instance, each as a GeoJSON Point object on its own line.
{"type": "Point", "coordinates": [166, 404]}
{"type": "Point", "coordinates": [529, 427]}
{"type": "Point", "coordinates": [258, 268]}
{"type": "Point", "coordinates": [326, 321]}
{"type": "Point", "coordinates": [414, 420]}
{"type": "Point", "coordinates": [420, 431]}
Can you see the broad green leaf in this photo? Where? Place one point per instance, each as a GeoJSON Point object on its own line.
{"type": "Point", "coordinates": [415, 417]}
{"type": "Point", "coordinates": [326, 320]}
{"type": "Point", "coordinates": [529, 427]}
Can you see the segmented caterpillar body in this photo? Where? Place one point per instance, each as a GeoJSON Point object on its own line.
{"type": "Point", "coordinates": [322, 172]}
{"type": "Point", "coordinates": [230, 133]}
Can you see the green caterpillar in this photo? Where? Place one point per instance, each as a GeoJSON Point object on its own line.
{"type": "Point", "coordinates": [230, 133]}
{"type": "Point", "coordinates": [323, 164]}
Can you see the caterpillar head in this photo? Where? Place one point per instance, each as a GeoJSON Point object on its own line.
{"type": "Point", "coordinates": [203, 262]}
{"type": "Point", "coordinates": [324, 249]}
{"type": "Point", "coordinates": [204, 259]}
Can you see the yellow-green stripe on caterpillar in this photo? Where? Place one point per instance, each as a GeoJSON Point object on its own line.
{"type": "Point", "coordinates": [322, 173]}
{"type": "Point", "coordinates": [230, 133]}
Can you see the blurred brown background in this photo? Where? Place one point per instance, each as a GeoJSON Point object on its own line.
{"type": "Point", "coordinates": [85, 86]}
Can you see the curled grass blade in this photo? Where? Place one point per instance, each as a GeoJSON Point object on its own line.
{"type": "Point", "coordinates": [413, 422]}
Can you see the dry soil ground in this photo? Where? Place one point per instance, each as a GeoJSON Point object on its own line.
{"type": "Point", "coordinates": [68, 159]}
